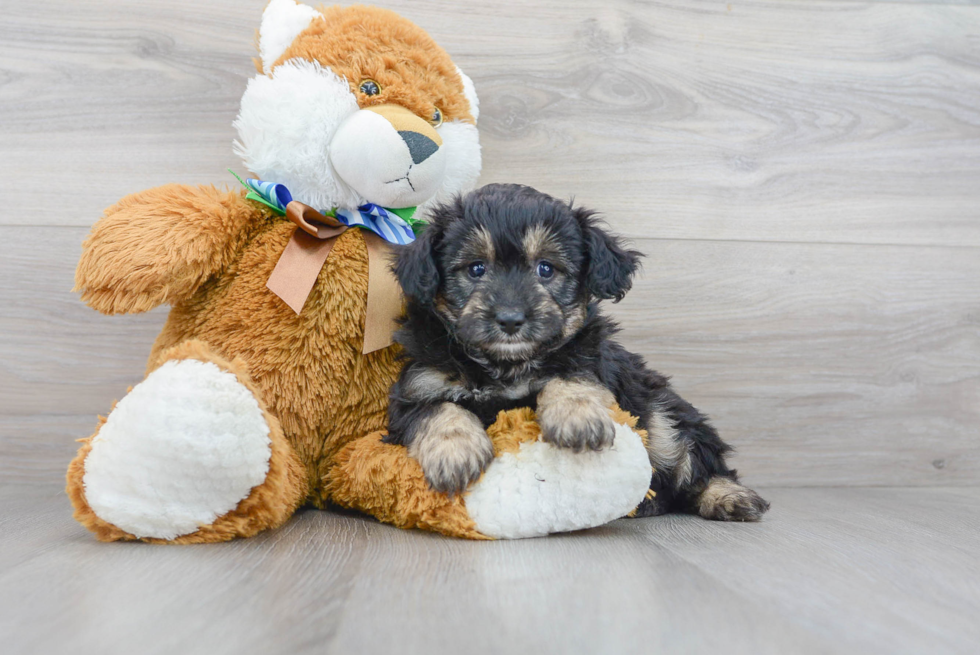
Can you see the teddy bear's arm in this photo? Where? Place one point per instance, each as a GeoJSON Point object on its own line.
{"type": "Point", "coordinates": [157, 246]}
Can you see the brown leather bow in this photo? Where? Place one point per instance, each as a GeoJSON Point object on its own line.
{"type": "Point", "coordinates": [300, 263]}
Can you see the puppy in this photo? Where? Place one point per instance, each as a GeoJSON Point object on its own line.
{"type": "Point", "coordinates": [502, 312]}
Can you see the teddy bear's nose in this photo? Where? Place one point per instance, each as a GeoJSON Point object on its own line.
{"type": "Point", "coordinates": [419, 145]}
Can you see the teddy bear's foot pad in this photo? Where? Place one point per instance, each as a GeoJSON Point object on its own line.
{"type": "Point", "coordinates": [182, 449]}
{"type": "Point", "coordinates": [542, 488]}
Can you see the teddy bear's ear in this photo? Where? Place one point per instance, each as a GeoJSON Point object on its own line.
{"type": "Point", "coordinates": [470, 92]}
{"type": "Point", "coordinates": [282, 22]}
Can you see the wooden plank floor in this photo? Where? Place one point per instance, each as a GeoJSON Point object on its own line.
{"type": "Point", "coordinates": [829, 571]}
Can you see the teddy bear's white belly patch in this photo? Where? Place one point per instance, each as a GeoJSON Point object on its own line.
{"type": "Point", "coordinates": [543, 489]}
{"type": "Point", "coordinates": [183, 448]}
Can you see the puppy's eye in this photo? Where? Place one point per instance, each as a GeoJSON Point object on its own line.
{"type": "Point", "coordinates": [545, 270]}
{"type": "Point", "coordinates": [477, 269]}
{"type": "Point", "coordinates": [370, 87]}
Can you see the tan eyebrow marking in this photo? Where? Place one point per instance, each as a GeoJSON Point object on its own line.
{"type": "Point", "coordinates": [539, 243]}
{"type": "Point", "coordinates": [478, 245]}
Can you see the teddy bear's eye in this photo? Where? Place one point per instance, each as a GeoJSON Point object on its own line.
{"type": "Point", "coordinates": [436, 117]}
{"type": "Point", "coordinates": [370, 88]}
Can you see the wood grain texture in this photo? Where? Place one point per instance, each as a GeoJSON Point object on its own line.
{"type": "Point", "coordinates": [829, 571]}
{"type": "Point", "coordinates": [823, 364]}
{"type": "Point", "coordinates": [793, 121]}
{"type": "Point", "coordinates": [769, 157]}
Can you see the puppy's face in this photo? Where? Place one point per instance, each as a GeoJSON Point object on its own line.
{"type": "Point", "coordinates": [511, 270]}
{"type": "Point", "coordinates": [511, 286]}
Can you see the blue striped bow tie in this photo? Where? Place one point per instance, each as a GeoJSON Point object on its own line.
{"type": "Point", "coordinates": [393, 225]}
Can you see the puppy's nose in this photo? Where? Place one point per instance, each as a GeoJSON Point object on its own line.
{"type": "Point", "coordinates": [420, 146]}
{"type": "Point", "coordinates": [510, 320]}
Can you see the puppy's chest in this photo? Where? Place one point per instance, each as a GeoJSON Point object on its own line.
{"type": "Point", "coordinates": [489, 400]}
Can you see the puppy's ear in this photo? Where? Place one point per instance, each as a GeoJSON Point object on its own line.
{"type": "Point", "coordinates": [610, 266]}
{"type": "Point", "coordinates": [416, 267]}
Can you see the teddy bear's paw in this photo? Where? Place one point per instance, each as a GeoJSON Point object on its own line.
{"type": "Point", "coordinates": [182, 449]}
{"type": "Point", "coordinates": [541, 488]}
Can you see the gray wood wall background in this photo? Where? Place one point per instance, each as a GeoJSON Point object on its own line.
{"type": "Point", "coordinates": [804, 176]}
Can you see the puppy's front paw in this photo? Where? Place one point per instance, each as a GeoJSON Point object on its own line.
{"type": "Point", "coordinates": [585, 426]}
{"type": "Point", "coordinates": [452, 447]}
{"type": "Point", "coordinates": [576, 415]}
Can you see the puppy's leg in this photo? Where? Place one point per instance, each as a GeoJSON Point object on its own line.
{"type": "Point", "coordinates": [575, 414]}
{"type": "Point", "coordinates": [448, 441]}
{"type": "Point", "coordinates": [451, 446]}
{"type": "Point", "coordinates": [691, 456]}
{"type": "Point", "coordinates": [667, 453]}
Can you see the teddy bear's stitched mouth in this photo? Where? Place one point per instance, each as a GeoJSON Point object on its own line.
{"type": "Point", "coordinates": [405, 178]}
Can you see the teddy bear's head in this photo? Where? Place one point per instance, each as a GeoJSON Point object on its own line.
{"type": "Point", "coordinates": [356, 105]}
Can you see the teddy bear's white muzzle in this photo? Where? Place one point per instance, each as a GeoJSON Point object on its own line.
{"type": "Point", "coordinates": [389, 156]}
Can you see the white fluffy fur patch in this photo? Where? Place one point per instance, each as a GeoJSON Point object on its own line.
{"type": "Point", "coordinates": [282, 22]}
{"type": "Point", "coordinates": [285, 126]}
{"type": "Point", "coordinates": [544, 489]}
{"type": "Point", "coordinates": [461, 142]}
{"type": "Point", "coordinates": [183, 448]}
{"type": "Point", "coordinates": [469, 90]}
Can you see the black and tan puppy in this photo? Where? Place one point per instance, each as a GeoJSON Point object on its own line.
{"type": "Point", "coordinates": [502, 291]}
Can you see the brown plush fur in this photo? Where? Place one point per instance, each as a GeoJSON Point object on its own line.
{"type": "Point", "coordinates": [268, 505]}
{"type": "Point", "coordinates": [359, 43]}
{"type": "Point", "coordinates": [157, 246]}
{"type": "Point", "coordinates": [382, 480]}
{"type": "Point", "coordinates": [307, 369]}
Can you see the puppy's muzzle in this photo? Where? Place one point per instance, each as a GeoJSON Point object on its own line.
{"type": "Point", "coordinates": [389, 156]}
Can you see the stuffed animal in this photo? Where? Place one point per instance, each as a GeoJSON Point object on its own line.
{"type": "Point", "coordinates": [268, 385]}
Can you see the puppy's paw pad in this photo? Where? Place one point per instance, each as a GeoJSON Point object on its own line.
{"type": "Point", "coordinates": [724, 500]}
